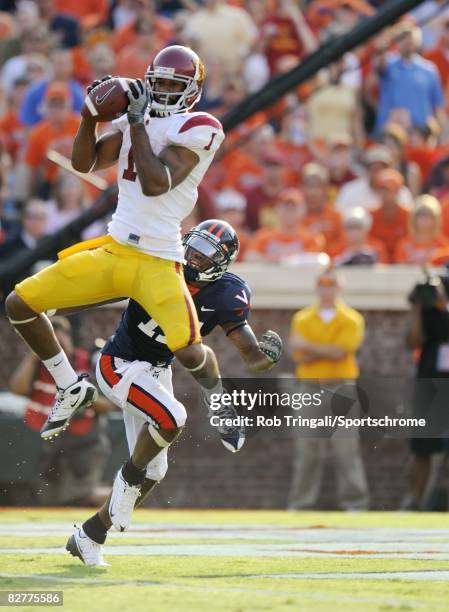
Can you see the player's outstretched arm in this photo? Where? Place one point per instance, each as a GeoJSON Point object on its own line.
{"type": "Point", "coordinates": [258, 356]}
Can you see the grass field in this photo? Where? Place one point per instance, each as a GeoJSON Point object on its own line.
{"type": "Point", "coordinates": [235, 561]}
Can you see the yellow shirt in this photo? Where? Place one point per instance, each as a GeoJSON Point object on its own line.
{"type": "Point", "coordinates": [345, 330]}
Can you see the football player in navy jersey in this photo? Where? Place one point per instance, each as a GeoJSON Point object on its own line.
{"type": "Point", "coordinates": [134, 372]}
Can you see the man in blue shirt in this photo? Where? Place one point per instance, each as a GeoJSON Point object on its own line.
{"type": "Point", "coordinates": [409, 82]}
{"type": "Point", "coordinates": [31, 111]}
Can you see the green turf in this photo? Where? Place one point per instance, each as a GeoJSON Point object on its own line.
{"type": "Point", "coordinates": [163, 583]}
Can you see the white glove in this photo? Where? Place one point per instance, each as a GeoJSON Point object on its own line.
{"type": "Point", "coordinates": [271, 345]}
{"type": "Point", "coordinates": [138, 101]}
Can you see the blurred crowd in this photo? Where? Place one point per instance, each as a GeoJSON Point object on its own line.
{"type": "Point", "coordinates": [353, 164]}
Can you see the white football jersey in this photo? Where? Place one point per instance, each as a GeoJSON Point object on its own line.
{"type": "Point", "coordinates": [152, 224]}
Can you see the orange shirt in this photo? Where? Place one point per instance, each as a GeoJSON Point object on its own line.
{"type": "Point", "coordinates": [410, 251]}
{"type": "Point", "coordinates": [43, 137]}
{"type": "Point", "coordinates": [328, 223]}
{"type": "Point", "coordinates": [277, 244]}
{"type": "Point", "coordinates": [126, 35]}
{"type": "Point", "coordinates": [425, 157]}
{"type": "Point", "coordinates": [441, 60]}
{"type": "Point", "coordinates": [83, 8]}
{"type": "Point", "coordinates": [240, 171]}
{"type": "Point", "coordinates": [390, 229]}
{"type": "Point", "coordinates": [12, 133]}
{"type": "Point", "coordinates": [371, 245]}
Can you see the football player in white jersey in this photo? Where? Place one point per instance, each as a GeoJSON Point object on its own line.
{"type": "Point", "coordinates": [163, 150]}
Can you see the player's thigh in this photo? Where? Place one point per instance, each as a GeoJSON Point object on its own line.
{"type": "Point", "coordinates": [143, 395]}
{"type": "Point", "coordinates": [163, 294]}
{"type": "Point", "coordinates": [84, 278]}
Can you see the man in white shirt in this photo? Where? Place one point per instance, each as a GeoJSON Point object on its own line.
{"type": "Point", "coordinates": [362, 191]}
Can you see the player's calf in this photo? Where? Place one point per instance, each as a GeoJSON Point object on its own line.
{"type": "Point", "coordinates": [128, 482]}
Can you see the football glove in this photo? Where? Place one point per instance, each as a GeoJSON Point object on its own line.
{"type": "Point", "coordinates": [97, 82]}
{"type": "Point", "coordinates": [271, 346]}
{"type": "Point", "coordinates": [138, 101]}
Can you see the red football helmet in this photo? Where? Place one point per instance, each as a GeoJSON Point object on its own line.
{"type": "Point", "coordinates": [179, 64]}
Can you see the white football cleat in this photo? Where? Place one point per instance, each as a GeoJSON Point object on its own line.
{"type": "Point", "coordinates": [123, 499]}
{"type": "Point", "coordinates": [81, 546]}
{"type": "Point", "coordinates": [79, 395]}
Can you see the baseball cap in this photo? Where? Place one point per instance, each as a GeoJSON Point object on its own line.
{"type": "Point", "coordinates": [378, 154]}
{"type": "Point", "coordinates": [57, 90]}
{"type": "Point", "coordinates": [389, 178]}
{"type": "Point", "coordinates": [314, 170]}
{"type": "Point", "coordinates": [230, 199]}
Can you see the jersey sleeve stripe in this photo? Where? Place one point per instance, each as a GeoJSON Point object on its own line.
{"type": "Point", "coordinates": [140, 398]}
{"type": "Point", "coordinates": [199, 120]}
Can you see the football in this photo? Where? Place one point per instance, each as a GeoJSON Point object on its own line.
{"type": "Point", "coordinates": [108, 100]}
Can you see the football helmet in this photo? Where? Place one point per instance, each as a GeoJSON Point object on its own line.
{"type": "Point", "coordinates": [209, 249]}
{"type": "Point", "coordinates": [179, 64]}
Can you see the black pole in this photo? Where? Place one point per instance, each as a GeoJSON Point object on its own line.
{"type": "Point", "coordinates": [326, 54]}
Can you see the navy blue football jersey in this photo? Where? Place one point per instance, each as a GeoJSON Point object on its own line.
{"type": "Point", "coordinates": [226, 300]}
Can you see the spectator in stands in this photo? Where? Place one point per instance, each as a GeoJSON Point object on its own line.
{"type": "Point", "coordinates": [71, 467]}
{"type": "Point", "coordinates": [35, 174]}
{"type": "Point", "coordinates": [319, 217]}
{"type": "Point", "coordinates": [65, 28]}
{"type": "Point", "coordinates": [144, 12]}
{"type": "Point", "coordinates": [390, 219]}
{"type": "Point", "coordinates": [358, 247]}
{"type": "Point", "coordinates": [67, 203]}
{"type": "Point", "coordinates": [262, 198]}
{"type": "Point", "coordinates": [338, 160]}
{"type": "Point", "coordinates": [425, 238]}
{"type": "Point", "coordinates": [363, 191]}
{"type": "Point", "coordinates": [34, 41]}
{"type": "Point", "coordinates": [221, 30]}
{"type": "Point", "coordinates": [439, 55]}
{"type": "Point", "coordinates": [31, 111]}
{"type": "Point", "coordinates": [292, 139]}
{"type": "Point", "coordinates": [335, 108]}
{"type": "Point", "coordinates": [101, 61]}
{"type": "Point", "coordinates": [408, 81]}
{"type": "Point", "coordinates": [428, 333]}
{"type": "Point", "coordinates": [394, 138]}
{"type": "Point", "coordinates": [231, 206]}
{"type": "Point", "coordinates": [34, 227]}
{"type": "Point", "coordinates": [290, 239]}
{"type": "Point", "coordinates": [12, 130]}
{"type": "Point", "coordinates": [285, 31]}
{"type": "Point", "coordinates": [324, 338]}
{"type": "Point", "coordinates": [243, 165]}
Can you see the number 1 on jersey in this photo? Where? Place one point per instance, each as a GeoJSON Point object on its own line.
{"type": "Point", "coordinates": [129, 174]}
